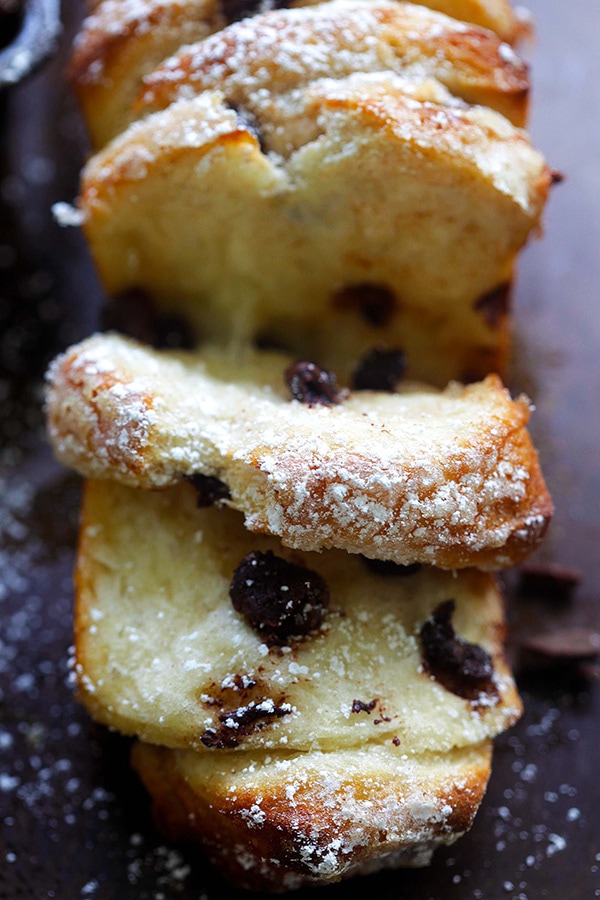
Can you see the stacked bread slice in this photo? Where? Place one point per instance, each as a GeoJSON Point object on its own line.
{"type": "Point", "coordinates": [286, 570]}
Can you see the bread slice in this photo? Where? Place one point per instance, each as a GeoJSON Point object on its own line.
{"type": "Point", "coordinates": [449, 478]}
{"type": "Point", "coordinates": [323, 210]}
{"type": "Point", "coordinates": [256, 60]}
{"type": "Point", "coordinates": [121, 41]}
{"type": "Point", "coordinates": [163, 653]}
{"type": "Point", "coordinates": [312, 758]}
{"type": "Point", "coordinates": [276, 822]}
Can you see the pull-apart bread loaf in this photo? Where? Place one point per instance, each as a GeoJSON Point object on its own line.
{"type": "Point", "coordinates": [344, 729]}
{"type": "Point", "coordinates": [121, 41]}
{"type": "Point", "coordinates": [317, 178]}
{"type": "Point", "coordinates": [448, 478]}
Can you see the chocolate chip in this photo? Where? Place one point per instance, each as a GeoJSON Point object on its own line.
{"type": "Point", "coordinates": [565, 644]}
{"type": "Point", "coordinates": [210, 490]}
{"type": "Point", "coordinates": [236, 724]}
{"type": "Point", "coordinates": [376, 303]}
{"type": "Point", "coordinates": [549, 581]}
{"type": "Point", "coordinates": [568, 653]}
{"type": "Point", "coordinates": [462, 668]}
{"type": "Point", "coordinates": [361, 706]}
{"type": "Point", "coordinates": [311, 384]}
{"type": "Point", "coordinates": [379, 370]}
{"type": "Point", "coordinates": [389, 569]}
{"type": "Point", "coordinates": [495, 305]}
{"type": "Point", "coordinates": [278, 599]}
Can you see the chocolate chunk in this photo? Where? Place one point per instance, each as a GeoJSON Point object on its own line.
{"type": "Point", "coordinates": [494, 306]}
{"type": "Point", "coordinates": [361, 706]}
{"type": "Point", "coordinates": [236, 724]}
{"type": "Point", "coordinates": [278, 599]}
{"type": "Point", "coordinates": [379, 370]}
{"type": "Point", "coordinates": [462, 668]}
{"type": "Point", "coordinates": [566, 644]}
{"type": "Point", "coordinates": [549, 581]}
{"type": "Point", "coordinates": [376, 303]}
{"type": "Point", "coordinates": [570, 653]}
{"type": "Point", "coordinates": [312, 385]}
{"type": "Point", "coordinates": [210, 490]}
{"type": "Point", "coordinates": [389, 569]}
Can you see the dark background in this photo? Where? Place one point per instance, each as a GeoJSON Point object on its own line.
{"type": "Point", "coordinates": [73, 821]}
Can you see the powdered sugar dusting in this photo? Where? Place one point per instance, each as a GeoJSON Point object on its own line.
{"type": "Point", "coordinates": [314, 476]}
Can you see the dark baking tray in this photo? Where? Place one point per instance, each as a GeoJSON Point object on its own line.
{"type": "Point", "coordinates": [74, 821]}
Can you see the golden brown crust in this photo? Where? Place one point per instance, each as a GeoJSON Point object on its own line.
{"type": "Point", "coordinates": [434, 178]}
{"type": "Point", "coordinates": [445, 478]}
{"type": "Point", "coordinates": [268, 54]}
{"type": "Point", "coordinates": [121, 41]}
{"type": "Point", "coordinates": [318, 818]}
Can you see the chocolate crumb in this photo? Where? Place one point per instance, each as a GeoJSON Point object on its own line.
{"type": "Point", "coordinates": [236, 724]}
{"type": "Point", "coordinates": [556, 177]}
{"type": "Point", "coordinates": [209, 490]}
{"type": "Point", "coordinates": [311, 384]}
{"type": "Point", "coordinates": [379, 370]}
{"type": "Point", "coordinates": [494, 306]}
{"type": "Point", "coordinates": [376, 303]}
{"type": "Point", "coordinates": [389, 569]}
{"type": "Point", "coordinates": [361, 706]}
{"type": "Point", "coordinates": [396, 741]}
{"type": "Point", "coordinates": [278, 599]}
{"type": "Point", "coordinates": [462, 668]}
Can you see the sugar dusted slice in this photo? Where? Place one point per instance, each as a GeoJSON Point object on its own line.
{"type": "Point", "coordinates": [163, 653]}
{"type": "Point", "coordinates": [449, 478]}
{"type": "Point", "coordinates": [276, 822]}
{"type": "Point", "coordinates": [121, 41]}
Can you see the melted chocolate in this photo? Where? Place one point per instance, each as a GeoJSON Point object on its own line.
{"type": "Point", "coordinates": [312, 385]}
{"type": "Point", "coordinates": [360, 706]}
{"type": "Point", "coordinates": [278, 599]}
{"type": "Point", "coordinates": [462, 668]}
{"type": "Point", "coordinates": [210, 490]}
{"type": "Point", "coordinates": [376, 303]}
{"type": "Point", "coordinates": [379, 370]}
{"type": "Point", "coordinates": [237, 724]}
